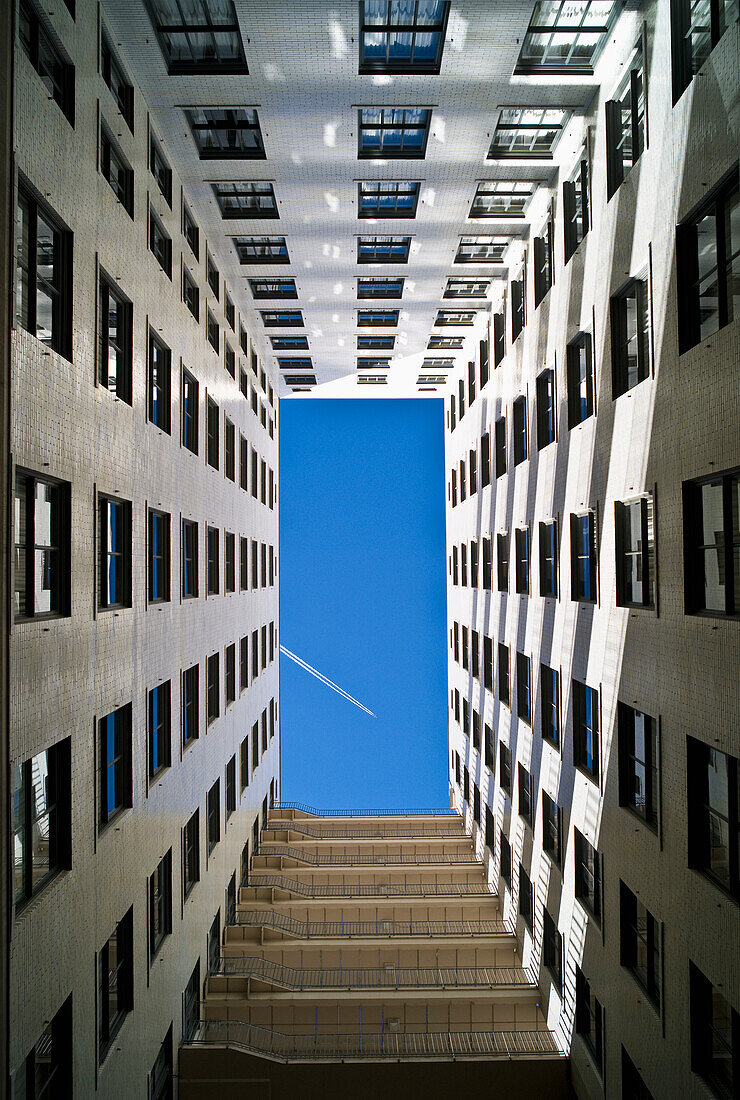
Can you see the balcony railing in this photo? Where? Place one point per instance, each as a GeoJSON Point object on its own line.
{"type": "Point", "coordinates": [290, 1047]}
{"type": "Point", "coordinates": [369, 889]}
{"type": "Point", "coordinates": [335, 860]}
{"type": "Point", "coordinates": [359, 832]}
{"type": "Point", "coordinates": [269, 918]}
{"type": "Point", "coordinates": [300, 979]}
{"type": "Point", "coordinates": [303, 808]}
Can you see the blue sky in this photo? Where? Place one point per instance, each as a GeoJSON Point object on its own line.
{"type": "Point", "coordinates": [362, 600]}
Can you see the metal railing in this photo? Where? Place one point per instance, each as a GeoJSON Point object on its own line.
{"type": "Point", "coordinates": [369, 889]}
{"type": "Point", "coordinates": [296, 1046]}
{"type": "Point", "coordinates": [269, 918]}
{"type": "Point", "coordinates": [406, 832]}
{"type": "Point", "coordinates": [303, 808]}
{"type": "Point", "coordinates": [387, 976]}
{"type": "Point", "coordinates": [330, 860]}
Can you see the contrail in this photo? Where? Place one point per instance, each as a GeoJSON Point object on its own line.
{"type": "Point", "coordinates": [325, 680]}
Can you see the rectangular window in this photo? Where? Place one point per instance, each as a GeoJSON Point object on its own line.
{"type": "Point", "coordinates": [518, 305]}
{"type": "Point", "coordinates": [505, 768]}
{"type": "Point", "coordinates": [526, 799]}
{"type": "Point", "coordinates": [47, 58]}
{"type": "Point", "coordinates": [526, 898]}
{"type": "Point", "coordinates": [43, 274]}
{"type": "Point", "coordinates": [521, 549]}
{"type": "Point", "coordinates": [229, 359]}
{"type": "Point", "coordinates": [473, 564]}
{"type": "Point", "coordinates": [485, 460]}
{"type": "Point", "coordinates": [383, 250]}
{"type": "Point", "coordinates": [160, 736]}
{"type": "Point", "coordinates": [189, 412]}
{"type": "Point", "coordinates": [161, 1075]}
{"type": "Point", "coordinates": [255, 565]}
{"type": "Point", "coordinates": [190, 705]}
{"type": "Point", "coordinates": [212, 433]}
{"type": "Point", "coordinates": [226, 133]}
{"type": "Point", "coordinates": [115, 351]}
{"type": "Point", "coordinates": [159, 557]}
{"type": "Point", "coordinates": [489, 747]}
{"type": "Point", "coordinates": [229, 313]}
{"type": "Point", "coordinates": [463, 483]}
{"type": "Point", "coordinates": [524, 688]}
{"type": "Point", "coordinates": [160, 169]}
{"type": "Point", "coordinates": [581, 379]}
{"type": "Point", "coordinates": [625, 124]}
{"type": "Point", "coordinates": [387, 199]}
{"type": "Point", "coordinates": [46, 1071]}
{"type": "Point", "coordinates": [212, 332]}
{"type": "Point", "coordinates": [229, 450]}
{"type": "Point", "coordinates": [633, 1086]}
{"type": "Point", "coordinates": [392, 132]}
{"type": "Point", "coordinates": [214, 815]}
{"type": "Point", "coordinates": [586, 728]}
{"type": "Point", "coordinates": [212, 563]}
{"type": "Point", "coordinates": [583, 557]}
{"type": "Point", "coordinates": [630, 336]}
{"type": "Point", "coordinates": [638, 763]}
{"type": "Point", "coordinates": [499, 339]}
{"type": "Point", "coordinates": [243, 564]}
{"type": "Point", "coordinates": [552, 829]}
{"type": "Point", "coordinates": [576, 208]}
{"type": "Point", "coordinates": [114, 553]}
{"type": "Point", "coordinates": [500, 431]}
{"type": "Point", "coordinates": [115, 965]}
{"type": "Point", "coordinates": [246, 199]}
{"type": "Point", "coordinates": [191, 855]}
{"type": "Point", "coordinates": [115, 765]}
{"type": "Point", "coordinates": [527, 133]}
{"type": "Point", "coordinates": [504, 692]}
{"type": "Point", "coordinates": [230, 787]}
{"type": "Point", "coordinates": [488, 664]}
{"type": "Point", "coordinates": [548, 559]}
{"type": "Point", "coordinates": [520, 430]}
{"type": "Point", "coordinates": [481, 249]}
{"type": "Point", "coordinates": [711, 537]}
{"type": "Point", "coordinates": [159, 382]}
{"type": "Point", "coordinates": [118, 172]}
{"type": "Point", "coordinates": [707, 249]}
{"type": "Point", "coordinates": [244, 663]}
{"type": "Point", "coordinates": [505, 869]}
{"type": "Point", "coordinates": [640, 935]}
{"type": "Point", "coordinates": [564, 39]}
{"type": "Point", "coordinates": [244, 764]}
{"type": "Point", "coordinates": [635, 552]}
{"type": "Point", "coordinates": [213, 689]}
{"type": "Point", "coordinates": [212, 275]}
{"type": "Point", "coordinates": [501, 199]}
{"type": "Point", "coordinates": [190, 293]}
{"type": "Point", "coordinates": [243, 463]}
{"type": "Point", "coordinates": [552, 949]}
{"type": "Point", "coordinates": [41, 523]}
{"type": "Point", "coordinates": [229, 562]}
{"type": "Point", "coordinates": [117, 82]}
{"type": "Point", "coordinates": [160, 904]}
{"type": "Point", "coordinates": [589, 1019]}
{"type": "Point", "coordinates": [262, 250]}
{"type": "Point", "coordinates": [502, 545]}
{"type": "Point", "coordinates": [475, 654]}
{"type": "Point", "coordinates": [402, 38]}
{"type": "Point", "coordinates": [545, 408]}
{"type": "Point", "coordinates": [42, 820]}
{"type": "Point", "coordinates": [713, 819]}
{"type": "Point", "coordinates": [487, 563]}
{"type": "Point", "coordinates": [550, 697]}
{"type": "Point", "coordinates": [543, 263]}
{"type": "Point", "coordinates": [189, 551]}
{"type": "Point", "coordinates": [588, 875]}
{"type": "Point", "coordinates": [715, 1036]}
{"type": "Point", "coordinates": [696, 28]}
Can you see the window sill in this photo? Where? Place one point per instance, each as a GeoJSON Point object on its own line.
{"type": "Point", "coordinates": [24, 908]}
{"type": "Point", "coordinates": [49, 616]}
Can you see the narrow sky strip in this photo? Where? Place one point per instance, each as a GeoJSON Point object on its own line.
{"type": "Point", "coordinates": [324, 680]}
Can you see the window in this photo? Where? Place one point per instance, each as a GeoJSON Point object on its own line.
{"type": "Point", "coordinates": [640, 948]}
{"type": "Point", "coordinates": [212, 563]}
{"type": "Point", "coordinates": [115, 983]}
{"type": "Point", "coordinates": [230, 787]}
{"type": "Point", "coordinates": [212, 333]}
{"type": "Point", "coordinates": [529, 133]}
{"type": "Point", "coordinates": [576, 208]}
{"type": "Point", "coordinates": [552, 829]}
{"type": "Point", "coordinates": [190, 705]}
{"type": "Point", "coordinates": [46, 1071]}
{"type": "Point", "coordinates": [229, 562]}
{"type": "Point", "coordinates": [500, 441]}
{"type": "Point", "coordinates": [502, 544]}
{"type": "Point", "coordinates": [711, 535]}
{"type": "Point", "coordinates": [160, 169]}
{"type": "Point", "coordinates": [160, 751]}
{"type": "Point", "coordinates": [521, 547]}
{"type": "Point", "coordinates": [499, 339]}
{"type": "Point", "coordinates": [455, 579]}
{"type": "Point", "coordinates": [484, 363]}
{"type": "Point", "coordinates": [476, 804]}
{"type": "Point", "coordinates": [589, 1019]}
{"type": "Point", "coordinates": [526, 898]}
{"type": "Point", "coordinates": [115, 351]}
{"type": "Point", "coordinates": [633, 1086]}
{"type": "Point", "coordinates": [118, 83]}
{"type": "Point", "coordinates": [485, 461]}
{"type": "Point", "coordinates": [229, 314]}
{"type": "Point", "coordinates": [563, 38]}
{"type": "Point", "coordinates": [191, 854]}
{"type": "Point", "coordinates": [638, 763]}
{"type": "Point", "coordinates": [488, 747]}
{"type": "Point", "coordinates": [159, 383]}
{"type": "Point", "coordinates": [463, 486]}
{"type": "Point", "coordinates": [630, 337]}
{"type": "Point", "coordinates": [478, 250]}
{"type": "Point", "coordinates": [273, 288]}
{"type": "Point", "coordinates": [191, 1004]}
{"type": "Point", "coordinates": [213, 694]}
{"type": "Point", "coordinates": [212, 432]}
{"type": "Point", "coordinates": [114, 553]}
{"type": "Point", "coordinates": [502, 199]}
{"type": "Point", "coordinates": [475, 664]}
{"type": "Point", "coordinates": [42, 820]}
{"type": "Point", "coordinates": [255, 745]}
{"type": "Point", "coordinates": [550, 696]}
{"type": "Point", "coordinates": [503, 674]}
{"type": "Point", "coordinates": [159, 557]}
{"type": "Point", "coordinates": [202, 38]}
{"type": "Point", "coordinates": [387, 199]}
{"type": "Point", "coordinates": [244, 764]}
{"type": "Point", "coordinates": [190, 293]}
{"type": "Point", "coordinates": [581, 381]}
{"type": "Point", "coordinates": [488, 663]}
{"type": "Point", "coordinates": [545, 408]}
{"type": "Point", "coordinates": [377, 318]}
{"type": "Point", "coordinates": [713, 815]}
{"type": "Point", "coordinates": [588, 875]}
{"type": "Point", "coordinates": [552, 949]}
{"type": "Point", "coordinates": [160, 1078]}
{"type": "Point", "coordinates": [243, 564]}
{"type": "Point", "coordinates": [586, 728]}
{"type": "Point", "coordinates": [229, 359]}
{"type": "Point", "coordinates": [518, 305]}
{"type": "Point", "coordinates": [696, 28]}
{"type": "Point", "coordinates": [43, 274]}
{"type": "Point", "coordinates": [378, 288]}
{"type": "Point", "coordinates": [473, 564]}
{"type": "Point", "coordinates": [226, 133]}
{"type": "Point", "coordinates": [707, 247]}
{"type": "Point", "coordinates": [287, 318]}
{"type": "Point", "coordinates": [383, 250]}
{"type": "Point", "coordinates": [445, 343]}
{"type": "Point", "coordinates": [526, 800]}
{"type": "Point", "coordinates": [715, 1036]}
{"type": "Point", "coordinates": [118, 172]}
{"type": "Point", "coordinates": [160, 904]}
{"type": "Point", "coordinates": [372, 343]}
{"type": "Point", "coordinates": [214, 815]}
{"type": "Point", "coordinates": [115, 765]}
{"type": "Point", "coordinates": [245, 199]}
{"type": "Point", "coordinates": [393, 132]}
{"type": "Point", "coordinates": [505, 859]}
{"type": "Point", "coordinates": [471, 395]}
{"type": "Point", "coordinates": [41, 522]}
{"type": "Point", "coordinates": [189, 411]}
{"type": "Point", "coordinates": [261, 250]}
{"type": "Point", "coordinates": [548, 559]}
{"type": "Point", "coordinates": [402, 38]}
{"type": "Point", "coordinates": [505, 768]}
{"type": "Point", "coordinates": [625, 124]}
{"type": "Point", "coordinates": [229, 450]}
{"type": "Point", "coordinates": [524, 688]}
{"type": "Point", "coordinates": [583, 557]}
{"type": "Point", "coordinates": [189, 551]}
{"type": "Point", "coordinates": [520, 430]}
{"type": "Point", "coordinates": [57, 74]}
{"type": "Point", "coordinates": [543, 263]}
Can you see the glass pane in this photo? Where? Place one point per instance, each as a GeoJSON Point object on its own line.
{"type": "Point", "coordinates": [712, 538]}
{"type": "Point", "coordinates": [20, 829]}
{"type": "Point", "coordinates": [42, 809]}
{"type": "Point", "coordinates": [22, 244]}
{"type": "Point", "coordinates": [732, 239]}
